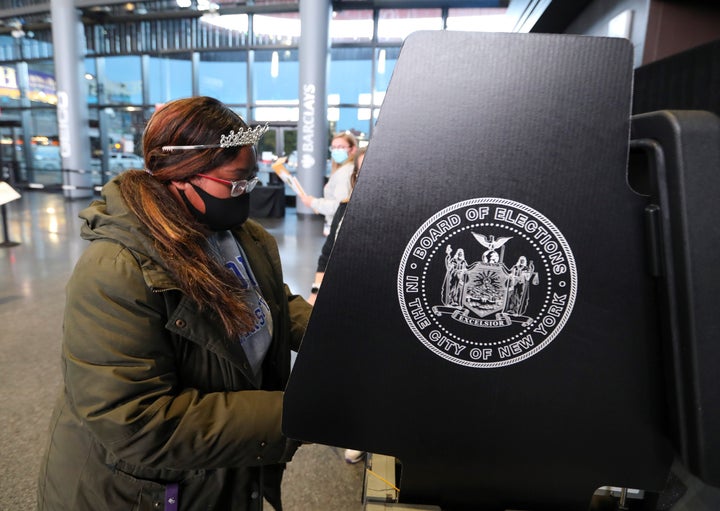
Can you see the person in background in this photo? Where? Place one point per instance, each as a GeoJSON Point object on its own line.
{"type": "Point", "coordinates": [177, 333]}
{"type": "Point", "coordinates": [342, 153]}
{"type": "Point", "coordinates": [351, 455]}
{"type": "Point", "coordinates": [334, 227]}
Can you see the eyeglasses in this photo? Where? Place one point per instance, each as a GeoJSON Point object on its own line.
{"type": "Point", "coordinates": [237, 188]}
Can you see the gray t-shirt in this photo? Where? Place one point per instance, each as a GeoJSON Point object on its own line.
{"type": "Point", "coordinates": [256, 342]}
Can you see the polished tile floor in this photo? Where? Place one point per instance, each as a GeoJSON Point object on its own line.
{"type": "Point", "coordinates": [40, 244]}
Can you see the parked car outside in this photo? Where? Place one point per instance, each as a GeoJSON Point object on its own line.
{"type": "Point", "coordinates": [124, 161]}
{"type": "Point", "coordinates": [46, 157]}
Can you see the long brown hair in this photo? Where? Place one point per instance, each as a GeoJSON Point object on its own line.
{"type": "Point", "coordinates": [180, 240]}
{"type": "Point", "coordinates": [357, 163]}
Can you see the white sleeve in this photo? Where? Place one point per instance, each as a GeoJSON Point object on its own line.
{"type": "Point", "coordinates": [336, 190]}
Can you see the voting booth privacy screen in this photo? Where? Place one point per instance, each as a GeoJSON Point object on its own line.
{"type": "Point", "coordinates": [675, 156]}
{"type": "Point", "coordinates": [487, 316]}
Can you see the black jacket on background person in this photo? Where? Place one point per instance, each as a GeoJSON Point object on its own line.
{"type": "Point", "coordinates": [330, 239]}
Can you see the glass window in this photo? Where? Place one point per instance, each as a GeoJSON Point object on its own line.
{"type": "Point", "coordinates": [41, 82]}
{"type": "Point", "coordinates": [356, 120]}
{"type": "Point", "coordinates": [394, 25]}
{"type": "Point", "coordinates": [242, 112]}
{"type": "Point", "coordinates": [479, 20]}
{"type": "Point", "coordinates": [349, 74]}
{"type": "Point", "coordinates": [228, 30]}
{"type": "Point", "coordinates": [276, 75]}
{"type": "Point", "coordinates": [11, 150]}
{"type": "Point", "coordinates": [268, 146]}
{"type": "Point", "coordinates": [223, 75]}
{"type": "Point", "coordinates": [35, 49]}
{"type": "Point", "coordinates": [351, 26]}
{"type": "Point", "coordinates": [123, 80]}
{"type": "Point", "coordinates": [277, 28]}
{"type": "Point", "coordinates": [9, 89]}
{"type": "Point", "coordinates": [271, 111]}
{"type": "Point", "coordinates": [290, 144]}
{"type": "Point", "coordinates": [125, 128]}
{"type": "Point", "coordinates": [91, 81]}
{"type": "Point", "coordinates": [8, 47]}
{"type": "Point", "coordinates": [275, 2]}
{"type": "Point", "coordinates": [45, 161]}
{"type": "Point", "coordinates": [94, 132]}
{"type": "Point", "coordinates": [386, 60]}
{"type": "Point", "coordinates": [170, 78]}
{"type": "Point", "coordinates": [44, 128]}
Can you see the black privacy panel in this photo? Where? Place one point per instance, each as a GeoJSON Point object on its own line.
{"type": "Point", "coordinates": [487, 315]}
{"type": "Point", "coordinates": [681, 149]}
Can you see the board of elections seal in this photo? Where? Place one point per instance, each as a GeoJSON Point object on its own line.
{"type": "Point", "coordinates": [487, 282]}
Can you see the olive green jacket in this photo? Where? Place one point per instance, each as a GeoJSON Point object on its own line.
{"type": "Point", "coordinates": [155, 395]}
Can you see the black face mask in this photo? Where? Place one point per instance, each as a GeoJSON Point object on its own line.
{"type": "Point", "coordinates": [220, 214]}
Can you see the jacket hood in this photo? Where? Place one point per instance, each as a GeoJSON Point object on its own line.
{"type": "Point", "coordinates": [109, 218]}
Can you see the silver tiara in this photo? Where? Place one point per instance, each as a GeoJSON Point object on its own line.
{"type": "Point", "coordinates": [244, 136]}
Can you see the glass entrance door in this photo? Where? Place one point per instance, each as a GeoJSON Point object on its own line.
{"type": "Point", "coordinates": [12, 168]}
{"type": "Point", "coordinates": [280, 140]}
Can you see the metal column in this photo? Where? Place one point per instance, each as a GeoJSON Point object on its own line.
{"type": "Point", "coordinates": [314, 57]}
{"type": "Point", "coordinates": [72, 110]}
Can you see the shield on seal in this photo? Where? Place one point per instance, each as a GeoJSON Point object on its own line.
{"type": "Point", "coordinates": [485, 289]}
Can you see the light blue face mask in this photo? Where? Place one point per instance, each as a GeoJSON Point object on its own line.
{"type": "Point", "coordinates": [339, 155]}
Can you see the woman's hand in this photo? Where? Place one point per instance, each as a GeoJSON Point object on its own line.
{"type": "Point", "coordinates": [307, 200]}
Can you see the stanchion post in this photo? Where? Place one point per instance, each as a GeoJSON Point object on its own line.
{"type": "Point", "coordinates": [6, 237]}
